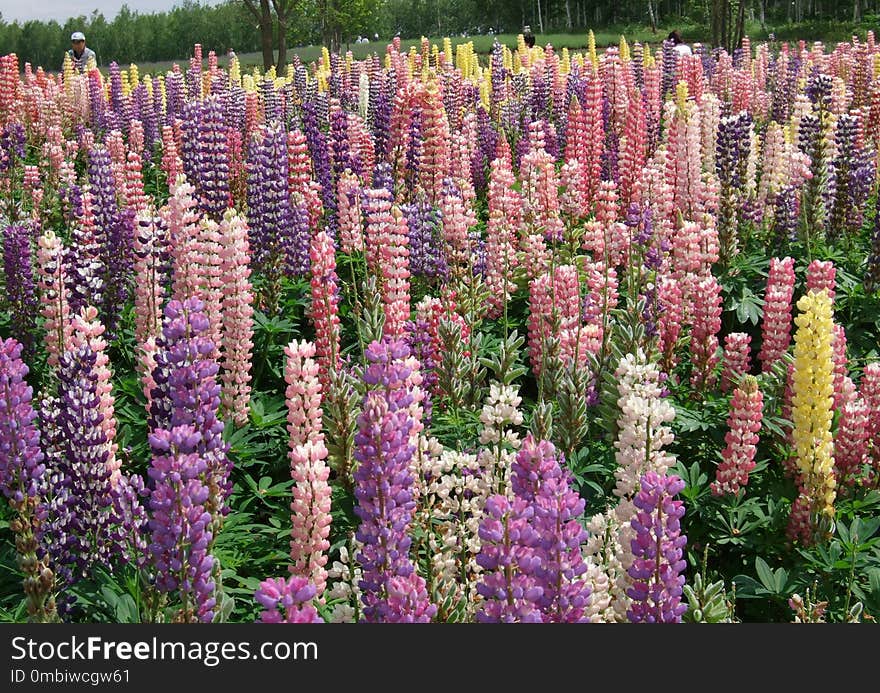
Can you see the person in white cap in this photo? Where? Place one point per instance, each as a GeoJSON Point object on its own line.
{"type": "Point", "coordinates": [79, 54]}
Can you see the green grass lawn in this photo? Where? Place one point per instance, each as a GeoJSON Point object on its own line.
{"type": "Point", "coordinates": [482, 44]}
{"type": "Point", "coordinates": [825, 31]}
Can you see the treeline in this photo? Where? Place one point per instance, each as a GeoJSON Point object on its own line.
{"type": "Point", "coordinates": [445, 17]}
{"type": "Point", "coordinates": [134, 37]}
{"type": "Point", "coordinates": [149, 37]}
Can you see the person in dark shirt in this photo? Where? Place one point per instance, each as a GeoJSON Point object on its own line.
{"type": "Point", "coordinates": [80, 56]}
{"type": "Point", "coordinates": [528, 36]}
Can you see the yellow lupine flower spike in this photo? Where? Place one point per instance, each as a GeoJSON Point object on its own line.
{"type": "Point", "coordinates": [812, 402]}
{"type": "Point", "coordinates": [591, 48]}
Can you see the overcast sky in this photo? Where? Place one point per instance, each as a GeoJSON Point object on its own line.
{"type": "Point", "coordinates": [60, 10]}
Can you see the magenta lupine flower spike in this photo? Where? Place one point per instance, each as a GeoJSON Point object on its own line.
{"type": "Point", "coordinates": [434, 161]}
{"type": "Point", "coordinates": [384, 484]}
{"type": "Point", "coordinates": [287, 601]}
{"type": "Point", "coordinates": [555, 311]}
{"type": "Point", "coordinates": [869, 390]}
{"type": "Point", "coordinates": [502, 229]}
{"type": "Point", "coordinates": [658, 549]}
{"type": "Point", "coordinates": [670, 320]}
{"type": "Point", "coordinates": [821, 275]}
{"type": "Point", "coordinates": [852, 442]}
{"type": "Point", "coordinates": [704, 333]}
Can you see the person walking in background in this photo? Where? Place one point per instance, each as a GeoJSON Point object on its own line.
{"type": "Point", "coordinates": [528, 36]}
{"type": "Point", "coordinates": [678, 45]}
{"type": "Point", "coordinates": [80, 56]}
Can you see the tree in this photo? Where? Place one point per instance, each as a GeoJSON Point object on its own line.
{"type": "Point", "coordinates": [343, 18]}
{"type": "Point", "coordinates": [727, 23]}
{"type": "Point", "coordinates": [263, 15]}
{"type": "Point", "coordinates": [283, 10]}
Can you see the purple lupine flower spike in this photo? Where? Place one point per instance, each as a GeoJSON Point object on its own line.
{"type": "Point", "coordinates": [510, 562]}
{"type": "Point", "coordinates": [181, 526]}
{"type": "Point", "coordinates": [287, 600]}
{"type": "Point", "coordinates": [21, 460]}
{"type": "Point", "coordinates": [213, 159]}
{"type": "Point", "coordinates": [187, 393]}
{"type": "Point", "coordinates": [384, 489]}
{"type": "Point", "coordinates": [90, 521]}
{"type": "Point", "coordinates": [20, 290]}
{"type": "Point", "coordinates": [658, 549]}
{"type": "Point", "coordinates": [539, 478]}
{"type": "Point", "coordinates": [426, 257]}
{"type": "Point", "coordinates": [114, 234]}
{"type": "Point", "coordinates": [22, 471]}
{"type": "Point", "coordinates": [279, 233]}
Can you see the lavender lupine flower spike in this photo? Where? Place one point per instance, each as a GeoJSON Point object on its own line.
{"type": "Point", "coordinates": [384, 490]}
{"type": "Point", "coordinates": [187, 392]}
{"type": "Point", "coordinates": [425, 247]}
{"type": "Point", "coordinates": [180, 524]}
{"type": "Point", "coordinates": [21, 474]}
{"type": "Point", "coordinates": [510, 562]}
{"type": "Point", "coordinates": [20, 456]}
{"type": "Point", "coordinates": [287, 600]}
{"type": "Point", "coordinates": [658, 548]}
{"type": "Point", "coordinates": [539, 478]}
{"type": "Point", "coordinates": [90, 521]}
{"type": "Point", "coordinates": [20, 295]}
{"type": "Point", "coordinates": [279, 234]}
{"type": "Point", "coordinates": [114, 230]}
{"type": "Point", "coordinates": [213, 159]}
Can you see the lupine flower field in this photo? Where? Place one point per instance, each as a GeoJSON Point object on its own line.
{"type": "Point", "coordinates": [532, 336]}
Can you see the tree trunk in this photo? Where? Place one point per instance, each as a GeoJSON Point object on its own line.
{"type": "Point", "coordinates": [717, 22]}
{"type": "Point", "coordinates": [739, 32]}
{"type": "Point", "coordinates": [857, 11]}
{"type": "Point", "coordinates": [568, 14]}
{"type": "Point", "coordinates": [651, 17]}
{"type": "Point", "coordinates": [263, 15]}
{"type": "Point", "coordinates": [266, 34]}
{"type": "Point", "coordinates": [540, 19]}
{"type": "Point", "coordinates": [282, 44]}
